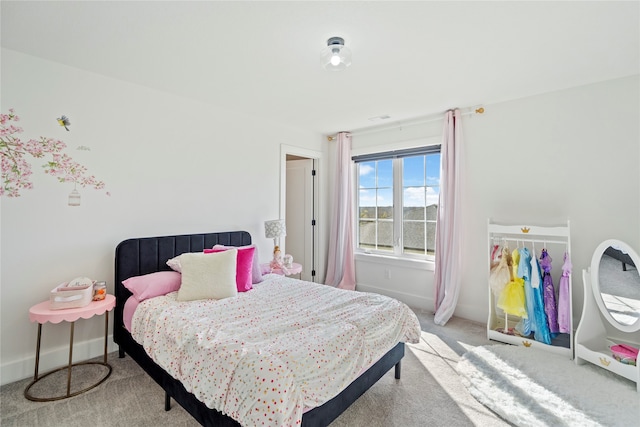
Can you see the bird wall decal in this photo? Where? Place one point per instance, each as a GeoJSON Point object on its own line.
{"type": "Point", "coordinates": [64, 122]}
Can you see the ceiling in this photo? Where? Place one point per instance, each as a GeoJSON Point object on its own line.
{"type": "Point", "coordinates": [410, 59]}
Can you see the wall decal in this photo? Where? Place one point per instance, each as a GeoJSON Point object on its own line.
{"type": "Point", "coordinates": [64, 122]}
{"type": "Point", "coordinates": [15, 166]}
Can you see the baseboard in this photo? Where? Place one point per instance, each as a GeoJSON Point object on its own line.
{"type": "Point", "coordinates": [55, 358]}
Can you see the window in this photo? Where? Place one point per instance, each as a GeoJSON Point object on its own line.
{"type": "Point", "coordinates": [398, 201]}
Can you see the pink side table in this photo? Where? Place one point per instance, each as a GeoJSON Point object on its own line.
{"type": "Point", "coordinates": [41, 313]}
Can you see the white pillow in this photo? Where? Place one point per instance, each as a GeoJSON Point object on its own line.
{"type": "Point", "coordinates": [174, 264]}
{"type": "Point", "coordinates": [206, 276]}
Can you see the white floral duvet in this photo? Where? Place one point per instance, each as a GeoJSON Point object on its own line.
{"type": "Point", "coordinates": [265, 356]}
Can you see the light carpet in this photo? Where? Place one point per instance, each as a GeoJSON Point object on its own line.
{"type": "Point", "coordinates": [531, 387]}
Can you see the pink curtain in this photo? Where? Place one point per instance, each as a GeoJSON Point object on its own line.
{"type": "Point", "coordinates": [341, 271]}
{"type": "Point", "coordinates": [448, 233]}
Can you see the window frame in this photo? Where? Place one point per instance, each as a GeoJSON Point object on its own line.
{"type": "Point", "coordinates": [397, 157]}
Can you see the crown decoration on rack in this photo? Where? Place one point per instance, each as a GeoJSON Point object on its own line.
{"type": "Point", "coordinates": [525, 229]}
{"type": "Point", "coordinates": [604, 361]}
{"type": "Point", "coordinates": [526, 343]}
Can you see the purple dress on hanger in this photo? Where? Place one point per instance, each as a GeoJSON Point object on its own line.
{"type": "Point", "coordinates": [564, 302]}
{"type": "Point", "coordinates": [549, 293]}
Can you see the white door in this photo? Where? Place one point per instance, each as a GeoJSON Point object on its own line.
{"type": "Point", "coordinates": [299, 214]}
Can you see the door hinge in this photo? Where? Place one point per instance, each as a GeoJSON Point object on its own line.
{"type": "Point", "coordinates": [313, 273]}
{"type": "Point", "coordinates": [313, 222]}
{"type": "Point", "coordinates": [313, 172]}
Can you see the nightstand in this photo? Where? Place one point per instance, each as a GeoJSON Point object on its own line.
{"type": "Point", "coordinates": [42, 313]}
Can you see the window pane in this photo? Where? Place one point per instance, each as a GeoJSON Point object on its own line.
{"type": "Point", "coordinates": [413, 197]}
{"type": "Point", "coordinates": [367, 212]}
{"type": "Point", "coordinates": [367, 203]}
{"type": "Point", "coordinates": [367, 234]}
{"type": "Point", "coordinates": [433, 169]}
{"type": "Point", "coordinates": [432, 198]}
{"type": "Point", "coordinates": [431, 238]}
{"type": "Point", "coordinates": [385, 173]}
{"type": "Point", "coordinates": [432, 212]}
{"type": "Point", "coordinates": [413, 171]}
{"type": "Point", "coordinates": [385, 203]}
{"type": "Point", "coordinates": [385, 235]}
{"type": "Point", "coordinates": [413, 237]}
{"type": "Point", "coordinates": [415, 213]}
{"type": "Point", "coordinates": [367, 174]}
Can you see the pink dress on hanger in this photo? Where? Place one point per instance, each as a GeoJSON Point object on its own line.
{"type": "Point", "coordinates": [564, 302]}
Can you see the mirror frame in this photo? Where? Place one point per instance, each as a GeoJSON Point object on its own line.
{"type": "Point", "coordinates": [595, 282]}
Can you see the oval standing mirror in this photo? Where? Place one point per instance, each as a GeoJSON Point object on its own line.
{"type": "Point", "coordinates": [616, 284]}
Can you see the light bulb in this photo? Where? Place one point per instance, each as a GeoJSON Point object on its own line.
{"type": "Point", "coordinates": [335, 56]}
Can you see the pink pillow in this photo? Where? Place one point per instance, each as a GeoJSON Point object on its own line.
{"type": "Point", "coordinates": [256, 272]}
{"type": "Point", "coordinates": [153, 284]}
{"type": "Point", "coordinates": [244, 265]}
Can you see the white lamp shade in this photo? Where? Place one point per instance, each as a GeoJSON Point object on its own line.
{"type": "Point", "coordinates": [275, 228]}
{"type": "Point", "coordinates": [335, 57]}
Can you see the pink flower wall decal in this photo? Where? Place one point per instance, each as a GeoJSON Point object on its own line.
{"type": "Point", "coordinates": [16, 169]}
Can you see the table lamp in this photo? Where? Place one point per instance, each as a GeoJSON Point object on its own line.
{"type": "Point", "coordinates": [274, 229]}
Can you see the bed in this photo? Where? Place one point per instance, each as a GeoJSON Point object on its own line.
{"type": "Point", "coordinates": [144, 256]}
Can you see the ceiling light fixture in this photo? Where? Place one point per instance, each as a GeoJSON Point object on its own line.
{"type": "Point", "coordinates": [336, 57]}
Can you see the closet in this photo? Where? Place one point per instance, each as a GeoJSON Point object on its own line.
{"type": "Point", "coordinates": [526, 275]}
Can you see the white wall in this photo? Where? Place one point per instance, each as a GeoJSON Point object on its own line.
{"type": "Point", "coordinates": [172, 165]}
{"type": "Point", "coordinates": [572, 154]}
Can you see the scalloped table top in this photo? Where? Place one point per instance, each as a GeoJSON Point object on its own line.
{"type": "Point", "coordinates": [41, 313]}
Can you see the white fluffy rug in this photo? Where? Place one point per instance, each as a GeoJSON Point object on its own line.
{"type": "Point", "coordinates": [530, 387]}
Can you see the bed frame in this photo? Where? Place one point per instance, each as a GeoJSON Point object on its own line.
{"type": "Point", "coordinates": [135, 257]}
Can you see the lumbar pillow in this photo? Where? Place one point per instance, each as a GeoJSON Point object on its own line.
{"type": "Point", "coordinates": [208, 276]}
{"type": "Point", "coordinates": [244, 265]}
{"type": "Point", "coordinates": [153, 284]}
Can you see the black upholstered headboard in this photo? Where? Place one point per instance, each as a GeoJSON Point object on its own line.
{"type": "Point", "coordinates": [135, 257]}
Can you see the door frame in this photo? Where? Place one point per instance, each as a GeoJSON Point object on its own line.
{"type": "Point", "coordinates": [316, 241]}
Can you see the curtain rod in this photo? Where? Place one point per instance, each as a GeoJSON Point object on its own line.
{"type": "Point", "coordinates": [428, 119]}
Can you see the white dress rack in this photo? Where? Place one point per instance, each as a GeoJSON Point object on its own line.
{"type": "Point", "coordinates": [556, 240]}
